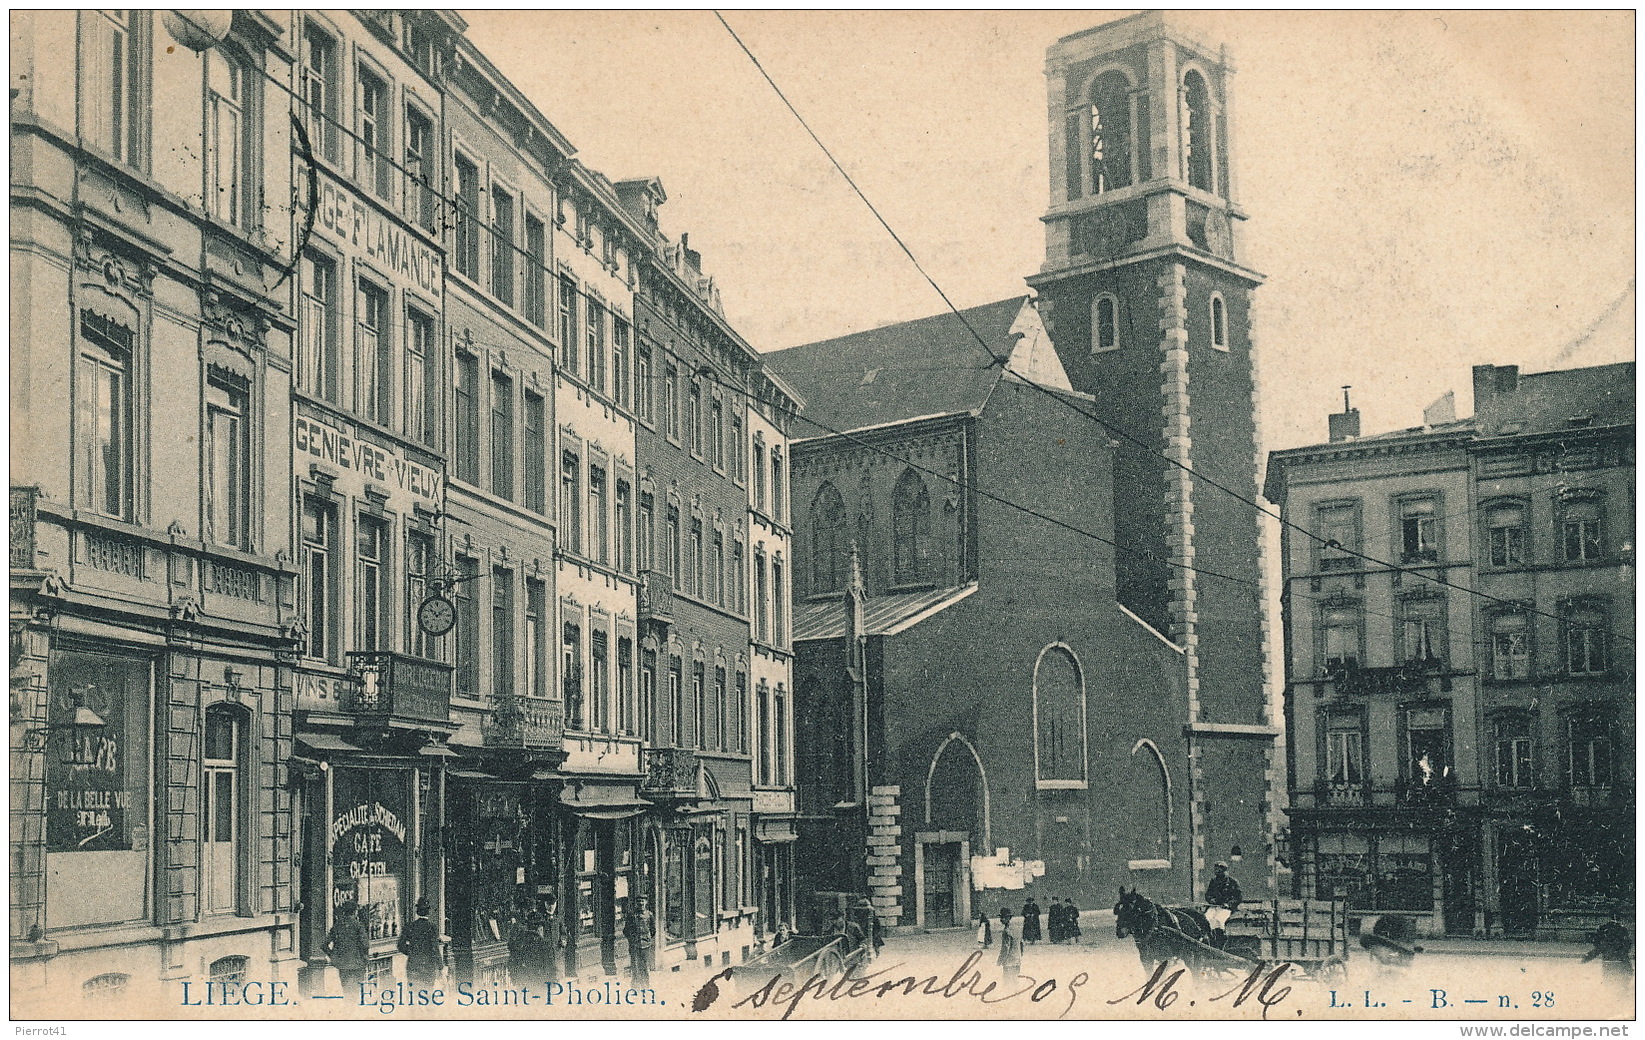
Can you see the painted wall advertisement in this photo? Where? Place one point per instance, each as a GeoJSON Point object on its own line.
{"type": "Point", "coordinates": [369, 836]}
{"type": "Point", "coordinates": [95, 777]}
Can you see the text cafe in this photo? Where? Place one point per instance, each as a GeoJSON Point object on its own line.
{"type": "Point", "coordinates": [374, 836]}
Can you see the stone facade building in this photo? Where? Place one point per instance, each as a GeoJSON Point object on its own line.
{"type": "Point", "coordinates": [1460, 708]}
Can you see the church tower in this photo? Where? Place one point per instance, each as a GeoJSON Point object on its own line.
{"type": "Point", "coordinates": [1149, 302]}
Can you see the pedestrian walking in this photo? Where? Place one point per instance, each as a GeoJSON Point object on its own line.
{"type": "Point", "coordinates": [1030, 921]}
{"type": "Point", "coordinates": [1222, 897]}
{"type": "Point", "coordinates": [420, 942]}
{"type": "Point", "coordinates": [985, 930]}
{"type": "Point", "coordinates": [530, 956]}
{"type": "Point", "coordinates": [1070, 921]}
{"type": "Point", "coordinates": [1010, 959]}
{"type": "Point", "coordinates": [638, 929]}
{"type": "Point", "coordinates": [1614, 945]}
{"type": "Point", "coordinates": [348, 949]}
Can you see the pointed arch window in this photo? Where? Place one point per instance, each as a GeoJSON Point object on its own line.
{"type": "Point", "coordinates": [1110, 133]}
{"type": "Point", "coordinates": [1105, 323]}
{"type": "Point", "coordinates": [1059, 718]}
{"type": "Point", "coordinates": [827, 540]}
{"type": "Point", "coordinates": [910, 529]}
{"type": "Point", "coordinates": [1197, 159]}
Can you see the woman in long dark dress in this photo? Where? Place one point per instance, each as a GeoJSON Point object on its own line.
{"type": "Point", "coordinates": [1030, 921]}
{"type": "Point", "coordinates": [1071, 919]}
{"type": "Point", "coordinates": [1053, 920]}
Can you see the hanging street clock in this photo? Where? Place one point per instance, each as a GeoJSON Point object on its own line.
{"type": "Point", "coordinates": [436, 615]}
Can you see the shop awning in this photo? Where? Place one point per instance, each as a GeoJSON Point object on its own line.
{"type": "Point", "coordinates": [325, 742]}
{"type": "Point", "coordinates": [773, 832]}
{"type": "Point", "coordinates": [438, 751]}
{"type": "Point", "coordinates": [599, 801]}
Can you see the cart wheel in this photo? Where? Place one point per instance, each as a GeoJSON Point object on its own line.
{"type": "Point", "coordinates": [1333, 970]}
{"type": "Point", "coordinates": [830, 964]}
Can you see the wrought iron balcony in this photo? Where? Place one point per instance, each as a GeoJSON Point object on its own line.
{"type": "Point", "coordinates": [1334, 794]}
{"type": "Point", "coordinates": [656, 598]}
{"type": "Point", "coordinates": [1440, 790]}
{"type": "Point", "coordinates": [1399, 679]}
{"type": "Point", "coordinates": [524, 723]}
{"type": "Point", "coordinates": [400, 686]}
{"type": "Point", "coordinates": [670, 773]}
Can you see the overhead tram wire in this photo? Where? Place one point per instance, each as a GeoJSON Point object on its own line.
{"type": "Point", "coordinates": [1003, 361]}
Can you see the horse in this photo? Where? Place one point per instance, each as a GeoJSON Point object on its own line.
{"type": "Point", "coordinates": [1162, 933]}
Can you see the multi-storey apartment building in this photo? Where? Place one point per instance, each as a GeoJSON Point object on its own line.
{"type": "Point", "coordinates": [709, 540]}
{"type": "Point", "coordinates": [1458, 621]}
{"type": "Point", "coordinates": [152, 592]}
{"type": "Point", "coordinates": [327, 520]}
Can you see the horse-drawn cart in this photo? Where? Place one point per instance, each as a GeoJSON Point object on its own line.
{"type": "Point", "coordinates": [846, 929]}
{"type": "Point", "coordinates": [1311, 934]}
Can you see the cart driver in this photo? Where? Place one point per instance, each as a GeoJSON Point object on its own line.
{"type": "Point", "coordinates": [1223, 896]}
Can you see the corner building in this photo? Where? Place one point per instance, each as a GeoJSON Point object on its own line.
{"type": "Point", "coordinates": [152, 595]}
{"type": "Point", "coordinates": [1148, 299]}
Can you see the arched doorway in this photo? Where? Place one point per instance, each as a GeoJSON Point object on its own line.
{"type": "Point", "coordinates": [955, 822]}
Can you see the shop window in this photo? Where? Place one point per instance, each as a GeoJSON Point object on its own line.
{"type": "Point", "coordinates": [1404, 878]}
{"type": "Point", "coordinates": [1515, 763]}
{"type": "Point", "coordinates": [222, 809]}
{"type": "Point", "coordinates": [827, 539]}
{"type": "Point", "coordinates": [910, 529]}
{"type": "Point", "coordinates": [1582, 533]}
{"type": "Point", "coordinates": [1059, 716]}
{"type": "Point", "coordinates": [228, 461]}
{"type": "Point", "coordinates": [318, 365]}
{"type": "Point", "coordinates": [320, 578]}
{"type": "Point", "coordinates": [1110, 132]}
{"type": "Point", "coordinates": [103, 418]}
{"type": "Point", "coordinates": [1418, 529]}
{"type": "Point", "coordinates": [1337, 524]}
{"type": "Point", "coordinates": [1510, 646]}
{"type": "Point", "coordinates": [370, 865]}
{"type": "Point", "coordinates": [1505, 524]}
{"type": "Point", "coordinates": [1342, 868]}
{"type": "Point", "coordinates": [1105, 323]}
{"type": "Point", "coordinates": [1588, 738]}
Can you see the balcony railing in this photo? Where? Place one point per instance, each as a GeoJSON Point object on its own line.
{"type": "Point", "coordinates": [670, 773]}
{"type": "Point", "coordinates": [1334, 794]}
{"type": "Point", "coordinates": [1399, 679]}
{"type": "Point", "coordinates": [1438, 791]}
{"type": "Point", "coordinates": [656, 597]}
{"type": "Point", "coordinates": [526, 723]}
{"type": "Point", "coordinates": [400, 686]}
{"type": "Point", "coordinates": [22, 526]}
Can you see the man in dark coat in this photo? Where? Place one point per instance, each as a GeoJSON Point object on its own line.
{"type": "Point", "coordinates": [348, 948]}
{"type": "Point", "coordinates": [1030, 921]}
{"type": "Point", "coordinates": [1614, 946]}
{"type": "Point", "coordinates": [638, 929]}
{"type": "Point", "coordinates": [530, 955]}
{"type": "Point", "coordinates": [420, 942]}
{"type": "Point", "coordinates": [1070, 921]}
{"type": "Point", "coordinates": [1222, 897]}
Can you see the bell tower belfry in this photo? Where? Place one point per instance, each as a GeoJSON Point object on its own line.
{"type": "Point", "coordinates": [1148, 300]}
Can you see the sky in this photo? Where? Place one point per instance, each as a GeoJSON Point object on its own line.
{"type": "Point", "coordinates": [1427, 191]}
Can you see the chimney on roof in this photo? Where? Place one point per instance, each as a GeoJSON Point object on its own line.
{"type": "Point", "coordinates": [1345, 424]}
{"type": "Point", "coordinates": [1492, 382]}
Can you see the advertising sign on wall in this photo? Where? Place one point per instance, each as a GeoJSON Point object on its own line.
{"type": "Point", "coordinates": [368, 846]}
